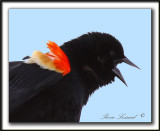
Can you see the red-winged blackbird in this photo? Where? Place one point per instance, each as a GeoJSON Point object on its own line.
{"type": "Point", "coordinates": [54, 86]}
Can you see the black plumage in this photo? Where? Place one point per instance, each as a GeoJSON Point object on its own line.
{"type": "Point", "coordinates": [41, 95]}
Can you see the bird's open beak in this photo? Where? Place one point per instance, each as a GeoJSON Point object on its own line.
{"type": "Point", "coordinates": [117, 71]}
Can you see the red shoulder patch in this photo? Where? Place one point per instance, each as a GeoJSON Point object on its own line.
{"type": "Point", "coordinates": [59, 58]}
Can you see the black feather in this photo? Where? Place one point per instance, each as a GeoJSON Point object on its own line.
{"type": "Point", "coordinates": [27, 80]}
{"type": "Point", "coordinates": [27, 57]}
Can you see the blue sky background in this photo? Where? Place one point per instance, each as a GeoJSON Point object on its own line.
{"type": "Point", "coordinates": [30, 29]}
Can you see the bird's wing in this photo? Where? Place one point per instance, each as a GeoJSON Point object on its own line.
{"type": "Point", "coordinates": [27, 80]}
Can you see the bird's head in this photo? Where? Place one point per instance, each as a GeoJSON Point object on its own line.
{"type": "Point", "coordinates": [98, 54]}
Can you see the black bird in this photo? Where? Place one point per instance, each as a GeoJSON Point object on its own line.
{"type": "Point", "coordinates": [54, 86]}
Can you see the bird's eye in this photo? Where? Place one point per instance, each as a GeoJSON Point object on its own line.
{"type": "Point", "coordinates": [112, 55]}
{"type": "Point", "coordinates": [101, 60]}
